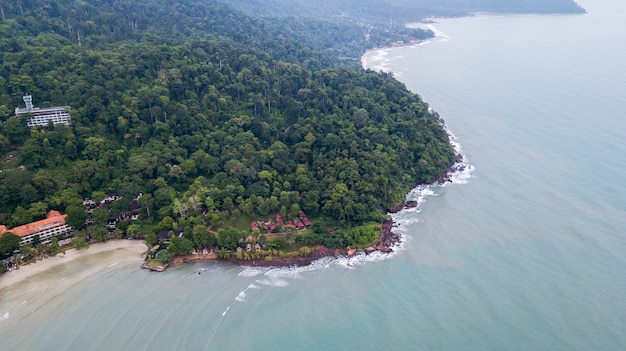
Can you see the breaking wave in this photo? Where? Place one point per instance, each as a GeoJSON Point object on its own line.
{"type": "Point", "coordinates": [462, 170]}
{"type": "Point", "coordinates": [459, 173]}
{"type": "Point", "coordinates": [241, 297]}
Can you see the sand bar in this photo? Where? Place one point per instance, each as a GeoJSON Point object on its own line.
{"type": "Point", "coordinates": [137, 247]}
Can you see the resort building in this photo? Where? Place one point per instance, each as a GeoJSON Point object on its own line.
{"type": "Point", "coordinates": [53, 225]}
{"type": "Point", "coordinates": [41, 116]}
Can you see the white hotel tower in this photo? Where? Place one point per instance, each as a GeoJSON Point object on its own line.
{"type": "Point", "coordinates": [41, 116]}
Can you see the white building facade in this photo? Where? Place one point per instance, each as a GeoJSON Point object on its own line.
{"type": "Point", "coordinates": [41, 116]}
{"type": "Point", "coordinates": [53, 225]}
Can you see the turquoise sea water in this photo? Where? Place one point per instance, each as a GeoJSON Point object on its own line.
{"type": "Point", "coordinates": [529, 253]}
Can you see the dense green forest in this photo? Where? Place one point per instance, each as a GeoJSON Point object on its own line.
{"type": "Point", "coordinates": [213, 116]}
{"type": "Point", "coordinates": [399, 11]}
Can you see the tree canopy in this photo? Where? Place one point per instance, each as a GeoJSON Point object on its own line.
{"type": "Point", "coordinates": [205, 111]}
{"type": "Point", "coordinates": [9, 242]}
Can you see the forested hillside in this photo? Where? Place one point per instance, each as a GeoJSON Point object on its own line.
{"type": "Point", "coordinates": [210, 114]}
{"type": "Point", "coordinates": [398, 11]}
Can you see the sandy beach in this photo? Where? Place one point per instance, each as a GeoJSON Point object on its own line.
{"type": "Point", "coordinates": [137, 247]}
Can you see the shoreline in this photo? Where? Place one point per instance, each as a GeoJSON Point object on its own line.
{"type": "Point", "coordinates": [385, 243]}
{"type": "Point", "coordinates": [10, 278]}
{"type": "Point", "coordinates": [394, 45]}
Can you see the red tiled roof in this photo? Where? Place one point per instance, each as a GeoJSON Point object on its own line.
{"type": "Point", "coordinates": [279, 219]}
{"type": "Point", "coordinates": [299, 223]}
{"type": "Point", "coordinates": [53, 219]}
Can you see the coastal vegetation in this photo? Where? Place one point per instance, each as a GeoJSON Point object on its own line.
{"type": "Point", "coordinates": [216, 119]}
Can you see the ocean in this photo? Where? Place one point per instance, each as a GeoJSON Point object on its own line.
{"type": "Point", "coordinates": [525, 250]}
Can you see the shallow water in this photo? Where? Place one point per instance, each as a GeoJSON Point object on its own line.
{"type": "Point", "coordinates": [528, 253]}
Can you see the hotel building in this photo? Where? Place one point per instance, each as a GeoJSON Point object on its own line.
{"type": "Point", "coordinates": [41, 116]}
{"type": "Point", "coordinates": [52, 225]}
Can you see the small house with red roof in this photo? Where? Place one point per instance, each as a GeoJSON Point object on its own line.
{"type": "Point", "coordinates": [279, 220]}
{"type": "Point", "coordinates": [299, 224]}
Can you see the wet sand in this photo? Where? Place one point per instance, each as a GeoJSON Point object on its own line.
{"type": "Point", "coordinates": [7, 279]}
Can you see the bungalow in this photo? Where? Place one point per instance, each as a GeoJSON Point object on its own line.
{"type": "Point", "coordinates": [299, 224]}
{"type": "Point", "coordinates": [304, 219]}
{"type": "Point", "coordinates": [87, 202]}
{"type": "Point", "coordinates": [110, 198]}
{"type": "Point", "coordinates": [253, 225]}
{"type": "Point", "coordinates": [137, 198]}
{"type": "Point", "coordinates": [164, 236]}
{"type": "Point", "coordinates": [111, 224]}
{"type": "Point", "coordinates": [279, 220]}
{"type": "Point", "coordinates": [134, 215]}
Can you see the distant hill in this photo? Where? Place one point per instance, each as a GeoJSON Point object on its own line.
{"type": "Point", "coordinates": [398, 10]}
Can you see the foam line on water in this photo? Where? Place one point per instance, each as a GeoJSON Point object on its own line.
{"type": "Point", "coordinates": [462, 170]}
{"type": "Point", "coordinates": [253, 271]}
{"type": "Point", "coordinates": [241, 297]}
{"type": "Point", "coordinates": [460, 173]}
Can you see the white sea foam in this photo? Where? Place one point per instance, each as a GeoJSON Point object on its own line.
{"type": "Point", "coordinates": [418, 194]}
{"type": "Point", "coordinates": [276, 282]}
{"type": "Point", "coordinates": [380, 60]}
{"type": "Point", "coordinates": [463, 176]}
{"type": "Point", "coordinates": [363, 258]}
{"type": "Point", "coordinates": [4, 317]}
{"type": "Point", "coordinates": [241, 297]}
{"type": "Point", "coordinates": [461, 171]}
{"type": "Point", "coordinates": [403, 220]}
{"type": "Point", "coordinates": [377, 60]}
{"type": "Point", "coordinates": [279, 276]}
{"type": "Point", "coordinates": [253, 271]}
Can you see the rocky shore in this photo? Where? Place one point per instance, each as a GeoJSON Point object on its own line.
{"type": "Point", "coordinates": [317, 252]}
{"type": "Point", "coordinates": [386, 240]}
{"type": "Point", "coordinates": [384, 244]}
